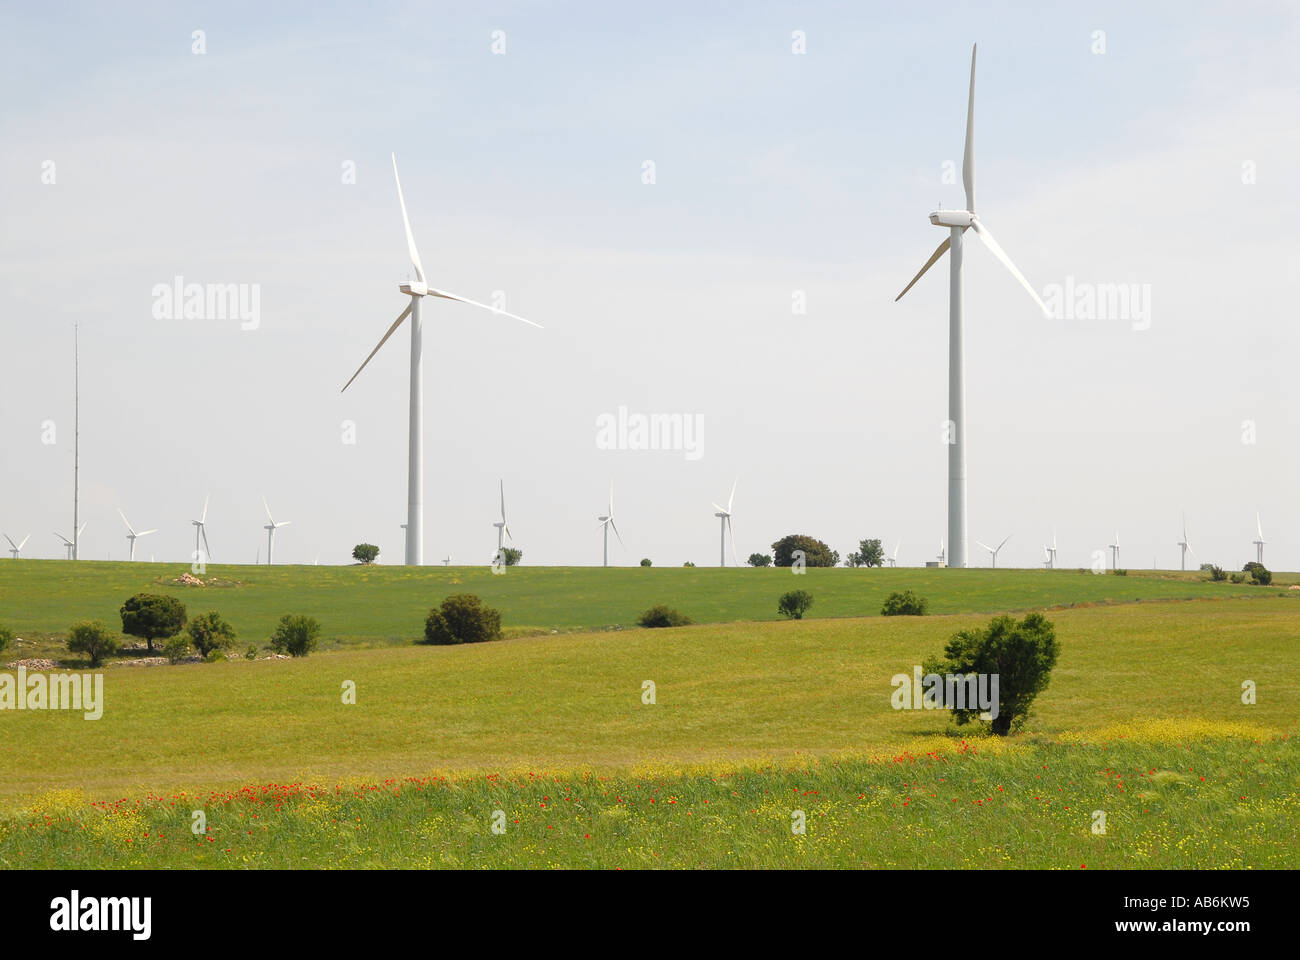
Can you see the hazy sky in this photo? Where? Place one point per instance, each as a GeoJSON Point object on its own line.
{"type": "Point", "coordinates": [1168, 161]}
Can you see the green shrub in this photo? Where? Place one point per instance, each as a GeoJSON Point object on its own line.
{"type": "Point", "coordinates": [152, 616]}
{"type": "Point", "coordinates": [92, 638]}
{"type": "Point", "coordinates": [1238, 578]}
{"type": "Point", "coordinates": [1259, 574]}
{"type": "Point", "coordinates": [295, 635]}
{"type": "Point", "coordinates": [794, 604]}
{"type": "Point", "coordinates": [816, 553]}
{"type": "Point", "coordinates": [688, 564]}
{"type": "Point", "coordinates": [210, 634]}
{"type": "Point", "coordinates": [663, 616]}
{"type": "Point", "coordinates": [462, 618]}
{"type": "Point", "coordinates": [645, 562]}
{"type": "Point", "coordinates": [1120, 573]}
{"type": "Point", "coordinates": [1020, 653]}
{"type": "Point", "coordinates": [760, 560]}
{"type": "Point", "coordinates": [6, 638]}
{"type": "Point", "coordinates": [176, 648]}
{"type": "Point", "coordinates": [251, 652]}
{"type": "Point", "coordinates": [905, 604]}
{"type": "Point", "coordinates": [365, 553]}
{"type": "Point", "coordinates": [1216, 573]}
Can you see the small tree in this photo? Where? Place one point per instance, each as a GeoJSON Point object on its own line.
{"type": "Point", "coordinates": [1216, 573]}
{"type": "Point", "coordinates": [816, 553]}
{"type": "Point", "coordinates": [462, 618]}
{"type": "Point", "coordinates": [176, 648]}
{"type": "Point", "coordinates": [869, 554]}
{"type": "Point", "coordinates": [905, 604]}
{"type": "Point", "coordinates": [210, 633]}
{"type": "Point", "coordinates": [152, 616]}
{"type": "Point", "coordinates": [1259, 574]}
{"type": "Point", "coordinates": [688, 564]}
{"type": "Point", "coordinates": [760, 560]}
{"type": "Point", "coordinates": [295, 635]}
{"type": "Point", "coordinates": [6, 638]}
{"type": "Point", "coordinates": [663, 616]}
{"type": "Point", "coordinates": [795, 604]}
{"type": "Point", "coordinates": [1020, 653]}
{"type": "Point", "coordinates": [645, 562]}
{"type": "Point", "coordinates": [92, 638]}
{"type": "Point", "coordinates": [511, 556]}
{"type": "Point", "coordinates": [365, 553]}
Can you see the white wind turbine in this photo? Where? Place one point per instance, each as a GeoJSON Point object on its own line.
{"type": "Point", "coordinates": [1114, 552]}
{"type": "Point", "coordinates": [417, 290]}
{"type": "Point", "coordinates": [993, 551]}
{"type": "Point", "coordinates": [1185, 545]}
{"type": "Point", "coordinates": [1259, 544]}
{"type": "Point", "coordinates": [893, 560]}
{"type": "Point", "coordinates": [606, 522]}
{"type": "Point", "coordinates": [958, 222]}
{"type": "Point", "coordinates": [71, 544]}
{"type": "Point", "coordinates": [131, 535]}
{"type": "Point", "coordinates": [201, 532]}
{"type": "Point", "coordinates": [942, 556]}
{"type": "Point", "coordinates": [502, 529]}
{"type": "Point", "coordinates": [16, 548]}
{"type": "Point", "coordinates": [270, 529]}
{"type": "Point", "coordinates": [724, 515]}
{"type": "Point", "coordinates": [1050, 553]}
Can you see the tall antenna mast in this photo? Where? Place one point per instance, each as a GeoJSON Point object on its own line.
{"type": "Point", "coordinates": [76, 433]}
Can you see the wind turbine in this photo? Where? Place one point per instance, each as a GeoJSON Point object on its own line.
{"type": "Point", "coordinates": [71, 544]}
{"type": "Point", "coordinates": [1050, 552]}
{"type": "Point", "coordinates": [942, 558]}
{"type": "Point", "coordinates": [16, 548]}
{"type": "Point", "coordinates": [1185, 545]}
{"type": "Point", "coordinates": [502, 529]}
{"type": "Point", "coordinates": [270, 531]}
{"type": "Point", "coordinates": [993, 551]}
{"type": "Point", "coordinates": [417, 290]}
{"type": "Point", "coordinates": [893, 561]}
{"type": "Point", "coordinates": [606, 522]}
{"type": "Point", "coordinates": [132, 536]}
{"type": "Point", "coordinates": [958, 222]}
{"type": "Point", "coordinates": [724, 516]}
{"type": "Point", "coordinates": [200, 530]}
{"type": "Point", "coordinates": [1114, 552]}
{"type": "Point", "coordinates": [1259, 544]}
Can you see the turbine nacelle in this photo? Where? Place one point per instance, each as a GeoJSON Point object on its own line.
{"type": "Point", "coordinates": [414, 288]}
{"type": "Point", "coordinates": [952, 218]}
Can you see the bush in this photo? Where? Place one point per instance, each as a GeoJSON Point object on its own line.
{"type": "Point", "coordinates": [462, 618]}
{"type": "Point", "coordinates": [816, 553]}
{"type": "Point", "coordinates": [295, 635]}
{"type": "Point", "coordinates": [663, 616]}
{"type": "Point", "coordinates": [1259, 574]}
{"type": "Point", "coordinates": [511, 556]}
{"type": "Point", "coordinates": [92, 638]}
{"type": "Point", "coordinates": [210, 634]}
{"type": "Point", "coordinates": [6, 638]}
{"type": "Point", "coordinates": [869, 554]}
{"type": "Point", "coordinates": [688, 564]}
{"type": "Point", "coordinates": [1021, 655]}
{"type": "Point", "coordinates": [152, 616]}
{"type": "Point", "coordinates": [1238, 578]}
{"type": "Point", "coordinates": [1216, 573]}
{"type": "Point", "coordinates": [365, 553]}
{"type": "Point", "coordinates": [176, 648]}
{"type": "Point", "coordinates": [645, 562]}
{"type": "Point", "coordinates": [251, 652]}
{"type": "Point", "coordinates": [905, 604]}
{"type": "Point", "coordinates": [1120, 573]}
{"type": "Point", "coordinates": [760, 560]}
{"type": "Point", "coordinates": [795, 604]}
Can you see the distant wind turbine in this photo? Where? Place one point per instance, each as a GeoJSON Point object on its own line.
{"type": "Point", "coordinates": [201, 532]}
{"type": "Point", "coordinates": [1186, 547]}
{"type": "Point", "coordinates": [942, 561]}
{"type": "Point", "coordinates": [72, 544]}
{"type": "Point", "coordinates": [1259, 544]}
{"type": "Point", "coordinates": [606, 522]}
{"type": "Point", "coordinates": [131, 535]}
{"type": "Point", "coordinates": [270, 531]}
{"type": "Point", "coordinates": [417, 290]}
{"type": "Point", "coordinates": [724, 515]}
{"type": "Point", "coordinates": [16, 548]}
{"type": "Point", "coordinates": [1114, 552]}
{"type": "Point", "coordinates": [993, 551]}
{"type": "Point", "coordinates": [502, 530]}
{"type": "Point", "coordinates": [893, 560]}
{"type": "Point", "coordinates": [1050, 552]}
{"type": "Point", "coordinates": [958, 222]}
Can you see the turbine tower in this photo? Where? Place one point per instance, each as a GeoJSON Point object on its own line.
{"type": "Point", "coordinates": [417, 290]}
{"type": "Point", "coordinates": [270, 531]}
{"type": "Point", "coordinates": [893, 560]}
{"type": "Point", "coordinates": [131, 535]}
{"type": "Point", "coordinates": [943, 562]}
{"type": "Point", "coordinates": [1050, 552]}
{"type": "Point", "coordinates": [724, 515]}
{"type": "Point", "coordinates": [71, 544]}
{"type": "Point", "coordinates": [502, 529]}
{"type": "Point", "coordinates": [1259, 544]}
{"type": "Point", "coordinates": [201, 531]}
{"type": "Point", "coordinates": [606, 522]}
{"type": "Point", "coordinates": [958, 222]}
{"type": "Point", "coordinates": [1114, 552]}
{"type": "Point", "coordinates": [993, 551]}
{"type": "Point", "coordinates": [1184, 545]}
{"type": "Point", "coordinates": [16, 548]}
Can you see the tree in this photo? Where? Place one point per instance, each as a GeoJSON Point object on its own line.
{"type": "Point", "coordinates": [645, 562]}
{"type": "Point", "coordinates": [816, 553]}
{"type": "Point", "coordinates": [869, 554]}
{"type": "Point", "coordinates": [905, 604]}
{"type": "Point", "coordinates": [176, 648]}
{"type": "Point", "coordinates": [365, 553]}
{"type": "Point", "coordinates": [92, 638]}
{"type": "Point", "coordinates": [688, 564]}
{"type": "Point", "coordinates": [1259, 574]}
{"type": "Point", "coordinates": [1217, 573]}
{"type": "Point", "coordinates": [6, 638]}
{"type": "Point", "coordinates": [663, 616]}
{"type": "Point", "coordinates": [1020, 654]}
{"type": "Point", "coordinates": [462, 618]}
{"type": "Point", "coordinates": [760, 560]}
{"type": "Point", "coordinates": [152, 616]}
{"type": "Point", "coordinates": [795, 604]}
{"type": "Point", "coordinates": [295, 635]}
{"type": "Point", "coordinates": [511, 556]}
{"type": "Point", "coordinates": [210, 633]}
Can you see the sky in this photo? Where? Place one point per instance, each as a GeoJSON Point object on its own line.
{"type": "Point", "coordinates": [705, 220]}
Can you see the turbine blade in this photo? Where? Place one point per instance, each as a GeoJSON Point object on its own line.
{"type": "Point", "coordinates": [735, 561]}
{"type": "Point", "coordinates": [24, 543]}
{"type": "Point", "coordinates": [396, 323]}
{"type": "Point", "coordinates": [474, 303]}
{"type": "Point", "coordinates": [616, 533]}
{"type": "Point", "coordinates": [145, 533]}
{"type": "Point", "coordinates": [204, 531]}
{"type": "Point", "coordinates": [718, 508]}
{"type": "Point", "coordinates": [1004, 542]}
{"type": "Point", "coordinates": [939, 252]}
{"type": "Point", "coordinates": [204, 516]}
{"type": "Point", "coordinates": [1259, 527]}
{"type": "Point", "coordinates": [124, 519]}
{"type": "Point", "coordinates": [968, 159]}
{"type": "Point", "coordinates": [732, 499]}
{"type": "Point", "coordinates": [503, 501]}
{"type": "Point", "coordinates": [508, 533]}
{"type": "Point", "coordinates": [1001, 254]}
{"type": "Point", "coordinates": [268, 511]}
{"type": "Point", "coordinates": [283, 523]}
{"type": "Point", "coordinates": [985, 546]}
{"type": "Point", "coordinates": [11, 542]}
{"type": "Point", "coordinates": [406, 222]}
